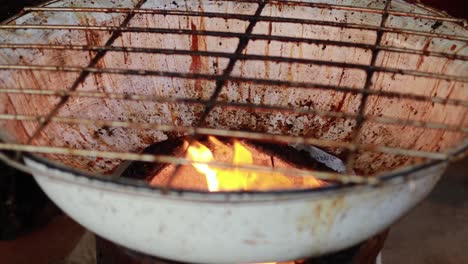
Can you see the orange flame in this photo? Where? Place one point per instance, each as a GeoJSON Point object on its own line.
{"type": "Point", "coordinates": [225, 179]}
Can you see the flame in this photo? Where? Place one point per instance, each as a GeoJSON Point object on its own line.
{"type": "Point", "coordinates": [235, 178]}
{"type": "Point", "coordinates": [201, 153]}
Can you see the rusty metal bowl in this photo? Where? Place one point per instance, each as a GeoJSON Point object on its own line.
{"type": "Point", "coordinates": [418, 56]}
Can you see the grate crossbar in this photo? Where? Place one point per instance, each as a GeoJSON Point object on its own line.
{"type": "Point", "coordinates": [241, 16]}
{"type": "Point", "coordinates": [171, 100]}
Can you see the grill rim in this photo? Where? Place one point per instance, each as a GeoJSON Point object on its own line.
{"type": "Point", "coordinates": [385, 178]}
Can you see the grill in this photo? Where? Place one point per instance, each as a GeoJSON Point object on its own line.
{"type": "Point", "coordinates": [381, 85]}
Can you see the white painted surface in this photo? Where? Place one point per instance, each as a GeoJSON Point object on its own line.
{"type": "Point", "coordinates": [213, 229]}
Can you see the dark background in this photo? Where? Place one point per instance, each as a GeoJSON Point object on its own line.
{"type": "Point", "coordinates": [457, 8]}
{"type": "Point", "coordinates": [9, 8]}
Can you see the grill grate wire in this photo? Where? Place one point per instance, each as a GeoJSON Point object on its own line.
{"type": "Point", "coordinates": [352, 147]}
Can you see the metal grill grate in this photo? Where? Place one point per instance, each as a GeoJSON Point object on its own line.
{"type": "Point", "coordinates": [352, 147]}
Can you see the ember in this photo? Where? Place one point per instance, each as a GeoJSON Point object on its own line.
{"type": "Point", "coordinates": [221, 179]}
{"type": "Point", "coordinates": [201, 175]}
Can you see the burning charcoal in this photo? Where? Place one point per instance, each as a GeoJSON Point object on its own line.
{"type": "Point", "coordinates": [218, 178]}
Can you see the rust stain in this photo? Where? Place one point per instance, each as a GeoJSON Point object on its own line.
{"type": "Point", "coordinates": [301, 48]}
{"type": "Point", "coordinates": [91, 36]}
{"type": "Point", "coordinates": [424, 49]}
{"type": "Point", "coordinates": [202, 25]}
{"type": "Point", "coordinates": [270, 30]}
{"type": "Point", "coordinates": [322, 216]}
{"type": "Point", "coordinates": [216, 69]}
{"type": "Point", "coordinates": [280, 6]}
{"type": "Point", "coordinates": [318, 209]}
{"type": "Point", "coordinates": [331, 121]}
{"type": "Point", "coordinates": [449, 94]}
{"type": "Point", "coordinates": [125, 54]}
{"type": "Point", "coordinates": [20, 124]}
{"type": "Point", "coordinates": [280, 70]}
{"type": "Point", "coordinates": [337, 202]}
{"type": "Point", "coordinates": [441, 133]}
{"type": "Point", "coordinates": [452, 87]}
{"type": "Point", "coordinates": [250, 242]}
{"type": "Point", "coordinates": [340, 104]}
{"type": "Point", "coordinates": [290, 65]}
{"type": "Point", "coordinates": [196, 66]}
{"type": "Point", "coordinates": [380, 79]}
{"type": "Point", "coordinates": [196, 63]}
{"type": "Point", "coordinates": [267, 51]}
{"type": "Point", "coordinates": [443, 70]}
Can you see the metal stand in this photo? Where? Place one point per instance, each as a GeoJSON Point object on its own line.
{"type": "Point", "coordinates": [365, 253]}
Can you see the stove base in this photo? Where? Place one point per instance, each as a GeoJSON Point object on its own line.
{"type": "Point", "coordinates": [364, 253]}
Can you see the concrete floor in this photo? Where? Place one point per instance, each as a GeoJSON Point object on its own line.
{"type": "Point", "coordinates": [436, 231]}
